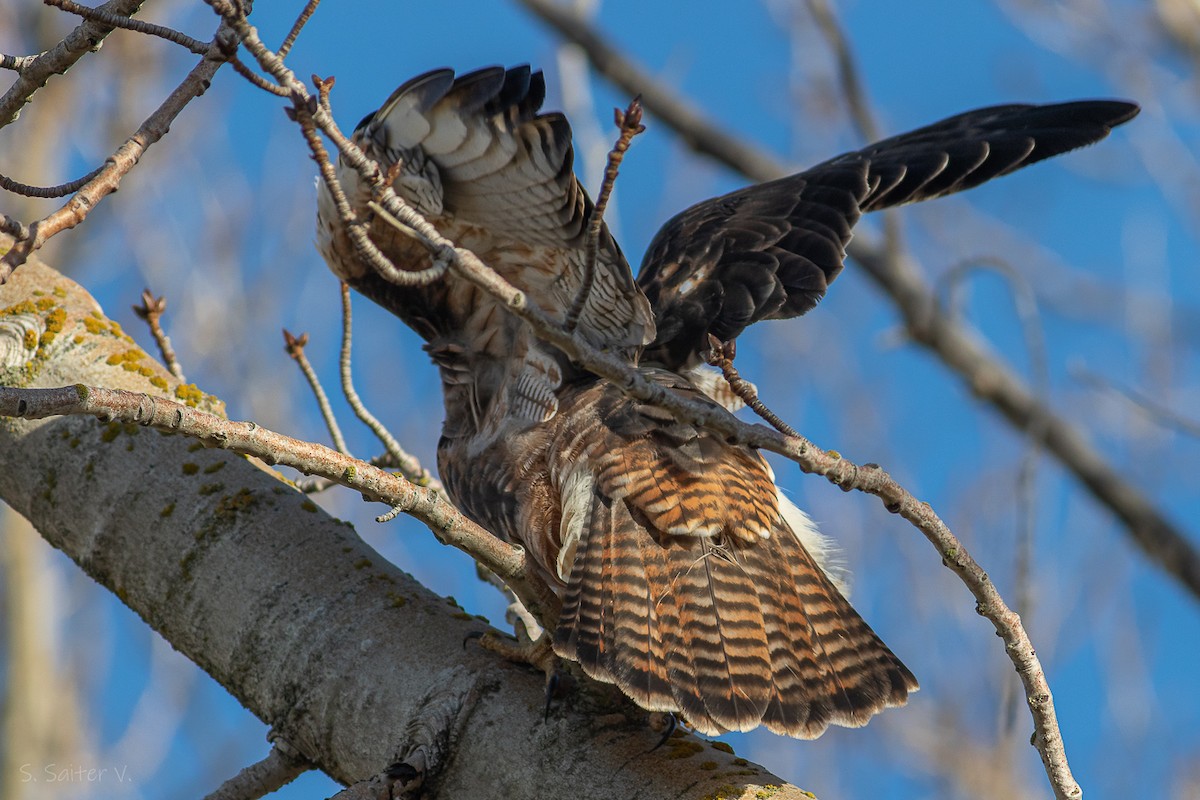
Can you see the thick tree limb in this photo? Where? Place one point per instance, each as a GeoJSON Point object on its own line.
{"type": "Point", "coordinates": [286, 607]}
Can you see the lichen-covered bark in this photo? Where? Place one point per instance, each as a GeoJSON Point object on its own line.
{"type": "Point", "coordinates": [287, 607]}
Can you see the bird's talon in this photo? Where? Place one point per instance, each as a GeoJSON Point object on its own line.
{"type": "Point", "coordinates": [665, 720]}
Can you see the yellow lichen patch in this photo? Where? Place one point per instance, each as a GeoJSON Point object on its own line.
{"type": "Point", "coordinates": [60, 292]}
{"type": "Point", "coordinates": [211, 488]}
{"type": "Point", "coordinates": [309, 506]}
{"type": "Point", "coordinates": [722, 746]}
{"type": "Point", "coordinates": [708, 765]}
{"type": "Point", "coordinates": [190, 469]}
{"type": "Point", "coordinates": [56, 318]}
{"type": "Point", "coordinates": [214, 467]}
{"type": "Point", "coordinates": [126, 359]}
{"type": "Point", "coordinates": [362, 563]}
{"type": "Point", "coordinates": [111, 431]}
{"type": "Point", "coordinates": [30, 339]}
{"type": "Point", "coordinates": [725, 792]}
{"type": "Point", "coordinates": [396, 600]}
{"type": "Point", "coordinates": [23, 307]}
{"type": "Point", "coordinates": [189, 394]}
{"type": "Point", "coordinates": [167, 510]}
{"type": "Point", "coordinates": [95, 325]}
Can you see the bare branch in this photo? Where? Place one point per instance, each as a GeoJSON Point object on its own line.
{"type": "Point", "coordinates": [629, 123]}
{"type": "Point", "coordinates": [18, 63]}
{"type": "Point", "coordinates": [112, 20]}
{"type": "Point", "coordinates": [57, 60]}
{"type": "Point", "coordinates": [305, 14]}
{"type": "Point", "coordinates": [256, 79]}
{"type": "Point", "coordinates": [151, 311]}
{"type": "Point", "coordinates": [62, 190]}
{"type": "Point", "coordinates": [721, 355]}
{"type": "Point", "coordinates": [126, 156]}
{"type": "Point", "coordinates": [281, 766]}
{"type": "Point", "coordinates": [13, 227]}
{"type": "Point", "coordinates": [295, 349]}
{"type": "Point", "coordinates": [1154, 410]}
{"type": "Point", "coordinates": [447, 523]}
{"type": "Point", "coordinates": [404, 461]}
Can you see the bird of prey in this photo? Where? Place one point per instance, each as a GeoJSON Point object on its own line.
{"type": "Point", "coordinates": [685, 577]}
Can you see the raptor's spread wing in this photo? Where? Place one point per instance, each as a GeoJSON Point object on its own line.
{"type": "Point", "coordinates": [495, 175]}
{"type": "Point", "coordinates": [769, 251]}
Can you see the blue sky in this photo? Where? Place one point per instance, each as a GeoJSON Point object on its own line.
{"type": "Point", "coordinates": [1119, 641]}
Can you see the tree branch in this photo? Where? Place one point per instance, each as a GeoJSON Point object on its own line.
{"type": "Point", "coordinates": [32, 75]}
{"type": "Point", "coordinates": [126, 157]}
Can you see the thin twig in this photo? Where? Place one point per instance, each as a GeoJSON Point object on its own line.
{"type": "Point", "coordinates": [281, 766]}
{"type": "Point", "coordinates": [1154, 410]}
{"type": "Point", "coordinates": [447, 523]}
{"type": "Point", "coordinates": [13, 227]}
{"type": "Point", "coordinates": [721, 355]}
{"type": "Point", "coordinates": [62, 190]}
{"type": "Point", "coordinates": [57, 60]}
{"type": "Point", "coordinates": [19, 63]}
{"type": "Point", "coordinates": [151, 311]}
{"type": "Point", "coordinates": [629, 123]}
{"type": "Point", "coordinates": [1163, 542]}
{"type": "Point", "coordinates": [111, 20]}
{"type": "Point", "coordinates": [295, 349]}
{"type": "Point", "coordinates": [256, 79]}
{"type": "Point", "coordinates": [318, 485]}
{"type": "Point", "coordinates": [297, 26]}
{"type": "Point", "coordinates": [407, 463]}
{"type": "Point", "coordinates": [126, 156]}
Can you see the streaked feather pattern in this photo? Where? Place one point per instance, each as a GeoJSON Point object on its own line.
{"type": "Point", "coordinates": [686, 578]}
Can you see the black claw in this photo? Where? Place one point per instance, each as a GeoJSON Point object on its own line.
{"type": "Point", "coordinates": [672, 724]}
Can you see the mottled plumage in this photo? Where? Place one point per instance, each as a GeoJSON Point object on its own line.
{"type": "Point", "coordinates": [686, 578]}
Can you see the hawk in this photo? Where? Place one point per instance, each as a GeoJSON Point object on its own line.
{"type": "Point", "coordinates": [686, 578]}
